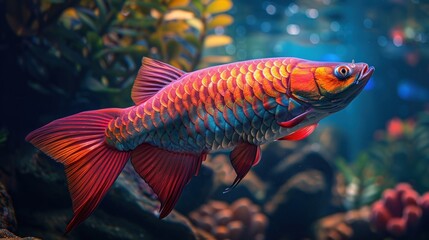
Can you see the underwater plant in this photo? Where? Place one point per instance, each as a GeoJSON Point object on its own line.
{"type": "Point", "coordinates": [360, 180]}
{"type": "Point", "coordinates": [73, 45]}
{"type": "Point", "coordinates": [401, 152]}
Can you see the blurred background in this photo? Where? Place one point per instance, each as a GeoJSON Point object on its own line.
{"type": "Point", "coordinates": [364, 173]}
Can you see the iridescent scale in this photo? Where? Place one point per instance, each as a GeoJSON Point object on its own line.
{"type": "Point", "coordinates": [214, 108]}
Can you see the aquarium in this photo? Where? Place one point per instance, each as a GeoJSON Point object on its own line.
{"type": "Point", "coordinates": [214, 119]}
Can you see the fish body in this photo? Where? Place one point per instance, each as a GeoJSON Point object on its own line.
{"type": "Point", "coordinates": [213, 108]}
{"type": "Point", "coordinates": [180, 117]}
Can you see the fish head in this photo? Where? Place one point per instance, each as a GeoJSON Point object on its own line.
{"type": "Point", "coordinates": [328, 86]}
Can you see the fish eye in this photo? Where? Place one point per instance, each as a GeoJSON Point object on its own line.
{"type": "Point", "coordinates": [342, 72]}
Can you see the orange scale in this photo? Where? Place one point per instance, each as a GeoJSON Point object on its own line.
{"type": "Point", "coordinates": [267, 74]}
{"type": "Point", "coordinates": [231, 84]}
{"type": "Point", "coordinates": [257, 75]}
{"type": "Point", "coordinates": [222, 87]}
{"type": "Point", "coordinates": [249, 79]}
{"type": "Point", "coordinates": [269, 64]}
{"type": "Point", "coordinates": [278, 86]}
{"type": "Point", "coordinates": [225, 74]}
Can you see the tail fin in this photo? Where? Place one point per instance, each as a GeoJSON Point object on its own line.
{"type": "Point", "coordinates": [91, 165]}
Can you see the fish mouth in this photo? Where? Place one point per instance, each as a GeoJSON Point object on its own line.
{"type": "Point", "coordinates": [364, 75]}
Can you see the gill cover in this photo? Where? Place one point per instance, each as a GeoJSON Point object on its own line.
{"type": "Point", "coordinates": [313, 81]}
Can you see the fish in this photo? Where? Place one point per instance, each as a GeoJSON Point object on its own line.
{"type": "Point", "coordinates": [180, 117]}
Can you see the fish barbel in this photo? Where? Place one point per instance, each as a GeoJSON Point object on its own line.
{"type": "Point", "coordinates": [179, 117]}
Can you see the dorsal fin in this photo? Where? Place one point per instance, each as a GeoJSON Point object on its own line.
{"type": "Point", "coordinates": [152, 77]}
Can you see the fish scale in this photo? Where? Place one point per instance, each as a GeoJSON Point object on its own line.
{"type": "Point", "coordinates": [212, 108]}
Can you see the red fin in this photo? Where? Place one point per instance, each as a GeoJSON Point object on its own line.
{"type": "Point", "coordinates": [243, 157]}
{"type": "Point", "coordinates": [294, 121]}
{"type": "Point", "coordinates": [152, 77]}
{"type": "Point", "coordinates": [166, 172]}
{"type": "Point", "coordinates": [300, 133]}
{"type": "Point", "coordinates": [91, 165]}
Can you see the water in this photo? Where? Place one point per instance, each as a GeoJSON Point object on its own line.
{"type": "Point", "coordinates": [363, 174]}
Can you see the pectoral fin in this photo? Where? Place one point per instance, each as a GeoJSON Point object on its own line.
{"type": "Point", "coordinates": [294, 121]}
{"type": "Point", "coordinates": [300, 133]}
{"type": "Point", "coordinates": [243, 157]}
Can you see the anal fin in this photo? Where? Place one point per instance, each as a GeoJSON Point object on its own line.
{"type": "Point", "coordinates": [243, 157]}
{"type": "Point", "coordinates": [166, 172]}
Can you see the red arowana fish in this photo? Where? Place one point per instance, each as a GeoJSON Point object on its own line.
{"type": "Point", "coordinates": [180, 117]}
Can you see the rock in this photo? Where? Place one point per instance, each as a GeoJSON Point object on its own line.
{"type": "Point", "coordinates": [297, 204]}
{"type": "Point", "coordinates": [202, 186]}
{"type": "Point", "coordinates": [7, 212]}
{"type": "Point", "coordinates": [5, 234]}
{"type": "Point", "coordinates": [304, 181]}
{"type": "Point", "coordinates": [128, 211]}
{"type": "Point", "coordinates": [352, 225]}
{"type": "Point", "coordinates": [250, 187]}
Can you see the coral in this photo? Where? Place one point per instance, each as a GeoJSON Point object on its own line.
{"type": "Point", "coordinates": [240, 220]}
{"type": "Point", "coordinates": [400, 212]}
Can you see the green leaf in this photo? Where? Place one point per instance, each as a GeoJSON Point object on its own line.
{"type": "Point", "coordinates": [72, 55]}
{"type": "Point", "coordinates": [102, 8]}
{"type": "Point", "coordinates": [125, 31]}
{"type": "Point", "coordinates": [198, 6]}
{"type": "Point", "coordinates": [94, 40]}
{"type": "Point", "coordinates": [370, 194]}
{"type": "Point", "coordinates": [87, 20]}
{"type": "Point", "coordinates": [345, 170]}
